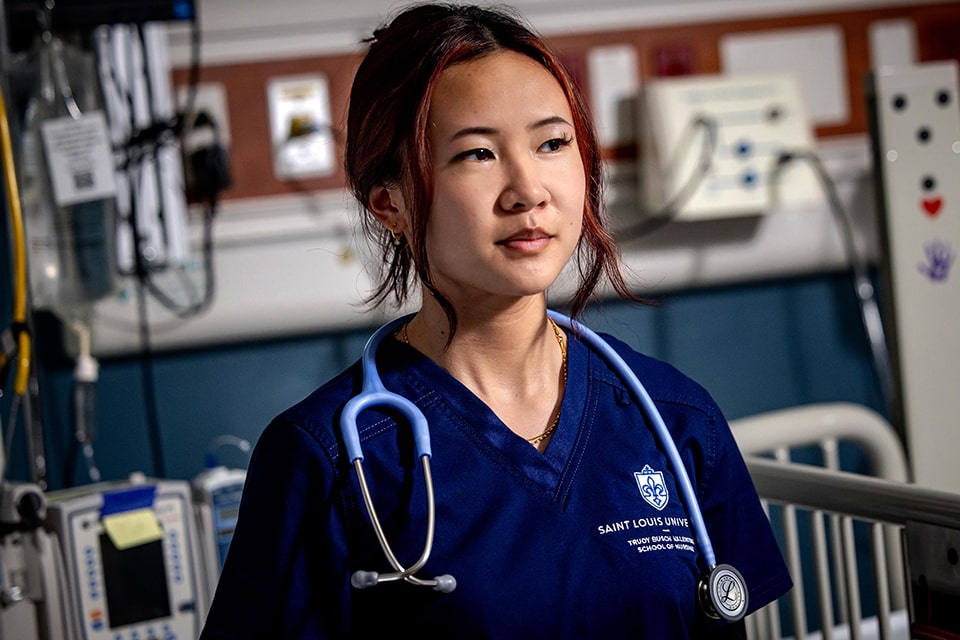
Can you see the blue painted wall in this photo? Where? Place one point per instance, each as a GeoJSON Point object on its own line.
{"type": "Point", "coordinates": [756, 347]}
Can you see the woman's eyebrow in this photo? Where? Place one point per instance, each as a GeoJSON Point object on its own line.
{"type": "Point", "coordinates": [471, 131]}
{"type": "Point", "coordinates": [549, 121]}
{"type": "Point", "coordinates": [489, 131]}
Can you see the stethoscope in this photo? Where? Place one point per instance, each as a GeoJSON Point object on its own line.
{"type": "Point", "coordinates": [721, 591]}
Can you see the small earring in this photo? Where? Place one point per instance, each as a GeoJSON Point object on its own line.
{"type": "Point", "coordinates": [397, 236]}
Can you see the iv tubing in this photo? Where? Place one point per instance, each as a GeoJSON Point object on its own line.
{"type": "Point", "coordinates": [22, 376]}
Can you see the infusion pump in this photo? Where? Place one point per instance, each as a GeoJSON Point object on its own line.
{"type": "Point", "coordinates": [216, 498]}
{"type": "Point", "coordinates": [132, 560]}
{"type": "Point", "coordinates": [137, 559]}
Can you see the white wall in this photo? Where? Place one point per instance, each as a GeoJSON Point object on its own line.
{"type": "Point", "coordinates": [257, 29]}
{"type": "Point", "coordinates": [290, 264]}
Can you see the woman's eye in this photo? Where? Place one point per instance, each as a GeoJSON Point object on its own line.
{"type": "Point", "coordinates": [555, 144]}
{"type": "Point", "coordinates": [478, 155]}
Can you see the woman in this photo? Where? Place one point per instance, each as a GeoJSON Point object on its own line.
{"type": "Point", "coordinates": [557, 512]}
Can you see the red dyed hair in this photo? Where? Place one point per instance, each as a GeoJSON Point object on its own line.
{"type": "Point", "coordinates": [387, 143]}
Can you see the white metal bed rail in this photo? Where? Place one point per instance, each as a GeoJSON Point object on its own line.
{"type": "Point", "coordinates": [832, 552]}
{"type": "Point", "coordinates": [847, 497]}
{"type": "Point", "coordinates": [862, 497]}
{"type": "Point", "coordinates": [826, 424]}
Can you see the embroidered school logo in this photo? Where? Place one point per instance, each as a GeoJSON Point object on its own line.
{"type": "Point", "coordinates": [652, 487]}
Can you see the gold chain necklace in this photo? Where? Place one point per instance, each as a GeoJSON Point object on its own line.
{"type": "Point", "coordinates": [563, 372]}
{"type": "Point", "coordinates": [404, 338]}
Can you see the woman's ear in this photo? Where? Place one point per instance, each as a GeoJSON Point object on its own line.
{"type": "Point", "coordinates": [387, 205]}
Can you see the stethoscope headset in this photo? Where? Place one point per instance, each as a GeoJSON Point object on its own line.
{"type": "Point", "coordinates": [721, 590]}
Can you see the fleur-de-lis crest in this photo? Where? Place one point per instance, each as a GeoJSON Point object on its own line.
{"type": "Point", "coordinates": [652, 487]}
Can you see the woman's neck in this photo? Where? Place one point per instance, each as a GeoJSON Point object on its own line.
{"type": "Point", "coordinates": [482, 327]}
{"type": "Point", "coordinates": [509, 357]}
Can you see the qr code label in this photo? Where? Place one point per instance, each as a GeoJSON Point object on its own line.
{"type": "Point", "coordinates": [79, 158]}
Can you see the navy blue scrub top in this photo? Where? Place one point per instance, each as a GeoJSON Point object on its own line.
{"type": "Point", "coordinates": [588, 538]}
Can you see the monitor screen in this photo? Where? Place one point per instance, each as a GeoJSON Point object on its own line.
{"type": "Point", "coordinates": [135, 580]}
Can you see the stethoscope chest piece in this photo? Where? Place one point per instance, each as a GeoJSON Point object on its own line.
{"type": "Point", "coordinates": [723, 593]}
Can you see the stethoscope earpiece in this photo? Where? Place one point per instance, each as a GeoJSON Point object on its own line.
{"type": "Point", "coordinates": [445, 583]}
{"type": "Point", "coordinates": [723, 593]}
{"type": "Point", "coordinates": [365, 579]}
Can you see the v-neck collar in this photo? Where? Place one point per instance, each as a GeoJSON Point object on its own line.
{"type": "Point", "coordinates": [550, 471]}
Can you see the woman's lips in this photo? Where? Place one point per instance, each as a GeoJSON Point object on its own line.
{"type": "Point", "coordinates": [527, 242]}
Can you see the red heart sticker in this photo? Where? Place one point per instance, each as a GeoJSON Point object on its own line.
{"type": "Point", "coordinates": [932, 207]}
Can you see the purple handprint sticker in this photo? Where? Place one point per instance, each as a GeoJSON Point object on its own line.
{"type": "Point", "coordinates": [940, 258]}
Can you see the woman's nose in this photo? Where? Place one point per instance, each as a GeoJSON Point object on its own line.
{"type": "Point", "coordinates": [524, 188]}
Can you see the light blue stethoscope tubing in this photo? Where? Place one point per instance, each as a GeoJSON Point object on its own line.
{"type": "Point", "coordinates": [640, 394]}
{"type": "Point", "coordinates": [374, 394]}
{"type": "Point", "coordinates": [710, 591]}
{"type": "Point", "coordinates": [721, 591]}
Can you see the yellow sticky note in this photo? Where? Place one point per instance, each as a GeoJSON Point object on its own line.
{"type": "Point", "coordinates": [132, 528]}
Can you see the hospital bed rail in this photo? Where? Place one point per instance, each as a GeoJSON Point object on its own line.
{"type": "Point", "coordinates": [878, 502]}
{"type": "Point", "coordinates": [837, 528]}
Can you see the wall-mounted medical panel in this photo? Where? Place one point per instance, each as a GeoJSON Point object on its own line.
{"type": "Point", "coordinates": [917, 154]}
{"type": "Point", "coordinates": [711, 146]}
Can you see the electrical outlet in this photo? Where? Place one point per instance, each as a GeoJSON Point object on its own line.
{"type": "Point", "coordinates": [915, 126]}
{"type": "Point", "coordinates": [205, 140]}
{"type": "Point", "coordinates": [752, 119]}
{"type": "Point", "coordinates": [212, 98]}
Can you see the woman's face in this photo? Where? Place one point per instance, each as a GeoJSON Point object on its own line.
{"type": "Point", "coordinates": [509, 184]}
